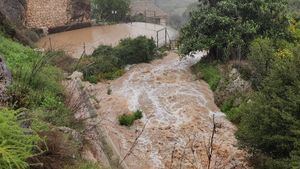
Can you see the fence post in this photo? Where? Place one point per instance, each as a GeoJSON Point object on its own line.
{"type": "Point", "coordinates": [157, 38]}
{"type": "Point", "coordinates": [166, 38]}
{"type": "Point", "coordinates": [50, 44]}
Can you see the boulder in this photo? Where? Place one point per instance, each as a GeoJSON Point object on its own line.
{"type": "Point", "coordinates": [12, 19]}
{"type": "Point", "coordinates": [14, 11]}
{"type": "Point", "coordinates": [76, 76]}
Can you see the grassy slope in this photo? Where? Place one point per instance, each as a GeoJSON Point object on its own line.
{"type": "Point", "coordinates": [42, 96]}
{"type": "Point", "coordinates": [208, 72]}
{"type": "Point", "coordinates": [37, 89]}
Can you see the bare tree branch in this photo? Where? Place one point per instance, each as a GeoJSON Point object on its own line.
{"type": "Point", "coordinates": [134, 144]}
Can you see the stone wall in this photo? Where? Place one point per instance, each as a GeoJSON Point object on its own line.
{"type": "Point", "coordinates": [56, 13]}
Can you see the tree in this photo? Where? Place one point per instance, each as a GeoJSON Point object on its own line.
{"type": "Point", "coordinates": [110, 10]}
{"type": "Point", "coordinates": [270, 126]}
{"type": "Point", "coordinates": [225, 28]}
{"type": "Point", "coordinates": [261, 56]}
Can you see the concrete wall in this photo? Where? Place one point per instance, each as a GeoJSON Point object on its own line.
{"type": "Point", "coordinates": [56, 13]}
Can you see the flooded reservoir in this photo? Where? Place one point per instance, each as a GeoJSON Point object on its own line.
{"type": "Point", "coordinates": [76, 41]}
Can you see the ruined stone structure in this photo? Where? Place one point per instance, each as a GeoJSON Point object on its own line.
{"type": "Point", "coordinates": [49, 14]}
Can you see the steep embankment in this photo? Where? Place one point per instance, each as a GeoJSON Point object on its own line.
{"type": "Point", "coordinates": [177, 122]}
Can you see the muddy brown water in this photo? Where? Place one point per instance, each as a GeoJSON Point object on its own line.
{"type": "Point", "coordinates": [177, 108]}
{"type": "Point", "coordinates": [73, 42]}
{"type": "Point", "coordinates": [177, 118]}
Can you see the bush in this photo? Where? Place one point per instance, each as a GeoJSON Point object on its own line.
{"type": "Point", "coordinates": [138, 114]}
{"type": "Point", "coordinates": [138, 50]}
{"type": "Point", "coordinates": [15, 145]}
{"type": "Point", "coordinates": [107, 63]}
{"type": "Point", "coordinates": [128, 119]}
{"type": "Point", "coordinates": [209, 73]}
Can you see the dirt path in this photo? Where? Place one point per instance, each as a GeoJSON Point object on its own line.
{"type": "Point", "coordinates": [177, 112]}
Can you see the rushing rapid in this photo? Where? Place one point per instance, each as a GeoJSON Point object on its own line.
{"type": "Point", "coordinates": [177, 122]}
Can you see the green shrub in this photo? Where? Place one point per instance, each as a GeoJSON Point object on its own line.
{"type": "Point", "coordinates": [107, 63]}
{"type": "Point", "coordinates": [138, 50]}
{"type": "Point", "coordinates": [103, 50]}
{"type": "Point", "coordinates": [128, 119]}
{"type": "Point", "coordinates": [209, 73]}
{"type": "Point", "coordinates": [235, 114]}
{"type": "Point", "coordinates": [138, 114]}
{"type": "Point", "coordinates": [227, 105]}
{"type": "Point", "coordinates": [15, 145]}
{"type": "Point", "coordinates": [91, 78]}
{"type": "Point", "coordinates": [37, 84]}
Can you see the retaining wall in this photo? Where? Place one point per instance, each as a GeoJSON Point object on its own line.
{"type": "Point", "coordinates": [56, 13]}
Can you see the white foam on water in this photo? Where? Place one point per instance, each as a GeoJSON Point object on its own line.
{"type": "Point", "coordinates": [142, 81]}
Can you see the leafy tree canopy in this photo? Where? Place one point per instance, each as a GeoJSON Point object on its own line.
{"type": "Point", "coordinates": [270, 126]}
{"type": "Point", "coordinates": [110, 10]}
{"type": "Point", "coordinates": [226, 27]}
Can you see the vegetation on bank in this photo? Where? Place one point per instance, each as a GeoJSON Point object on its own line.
{"type": "Point", "coordinates": [264, 36]}
{"type": "Point", "coordinates": [110, 10]}
{"type": "Point", "coordinates": [36, 83]}
{"type": "Point", "coordinates": [128, 119]}
{"type": "Point", "coordinates": [208, 72]}
{"type": "Point", "coordinates": [37, 104]}
{"type": "Point", "coordinates": [15, 145]}
{"type": "Point", "coordinates": [108, 63]}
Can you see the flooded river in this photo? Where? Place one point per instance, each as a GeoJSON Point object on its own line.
{"type": "Point", "coordinates": [177, 109]}
{"type": "Point", "coordinates": [74, 42]}
{"type": "Point", "coordinates": [177, 124]}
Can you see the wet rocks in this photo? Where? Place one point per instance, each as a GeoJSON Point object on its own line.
{"type": "Point", "coordinates": [5, 80]}
{"type": "Point", "coordinates": [14, 11]}
{"type": "Point", "coordinates": [12, 18]}
{"type": "Point", "coordinates": [231, 85]}
{"type": "Point", "coordinates": [76, 76]}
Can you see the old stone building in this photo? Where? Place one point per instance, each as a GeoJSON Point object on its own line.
{"type": "Point", "coordinates": [50, 14]}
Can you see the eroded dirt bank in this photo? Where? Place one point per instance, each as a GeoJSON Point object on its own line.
{"type": "Point", "coordinates": [177, 122]}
